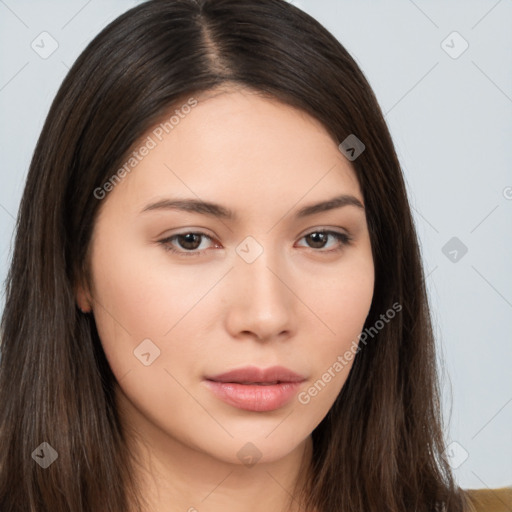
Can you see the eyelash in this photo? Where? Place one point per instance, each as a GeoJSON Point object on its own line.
{"type": "Point", "coordinates": [343, 238]}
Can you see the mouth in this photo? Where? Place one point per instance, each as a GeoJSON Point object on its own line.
{"type": "Point", "coordinates": [255, 389]}
{"type": "Point", "coordinates": [259, 383]}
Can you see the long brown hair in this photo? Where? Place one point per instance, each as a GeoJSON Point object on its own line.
{"type": "Point", "coordinates": [380, 447]}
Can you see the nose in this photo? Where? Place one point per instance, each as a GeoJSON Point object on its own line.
{"type": "Point", "coordinates": [261, 304]}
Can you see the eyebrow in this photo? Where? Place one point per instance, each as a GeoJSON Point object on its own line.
{"type": "Point", "coordinates": [219, 211]}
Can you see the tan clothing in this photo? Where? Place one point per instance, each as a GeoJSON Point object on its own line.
{"type": "Point", "coordinates": [491, 500]}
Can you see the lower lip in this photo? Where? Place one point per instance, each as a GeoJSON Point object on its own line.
{"type": "Point", "coordinates": [252, 397]}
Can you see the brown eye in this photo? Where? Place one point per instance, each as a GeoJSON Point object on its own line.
{"type": "Point", "coordinates": [187, 244]}
{"type": "Point", "coordinates": [319, 239]}
{"type": "Point", "coordinates": [189, 241]}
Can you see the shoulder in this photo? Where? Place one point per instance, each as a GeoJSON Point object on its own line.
{"type": "Point", "coordinates": [490, 500]}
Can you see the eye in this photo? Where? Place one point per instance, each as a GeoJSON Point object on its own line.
{"type": "Point", "coordinates": [191, 243]}
{"type": "Point", "coordinates": [319, 238]}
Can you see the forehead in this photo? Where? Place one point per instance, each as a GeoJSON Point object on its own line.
{"type": "Point", "coordinates": [239, 148]}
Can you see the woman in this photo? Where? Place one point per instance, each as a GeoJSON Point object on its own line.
{"type": "Point", "coordinates": [216, 298]}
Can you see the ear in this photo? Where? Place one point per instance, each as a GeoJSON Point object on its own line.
{"type": "Point", "coordinates": [83, 298]}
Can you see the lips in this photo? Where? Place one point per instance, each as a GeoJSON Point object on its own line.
{"type": "Point", "coordinates": [254, 375]}
{"type": "Point", "coordinates": [255, 389]}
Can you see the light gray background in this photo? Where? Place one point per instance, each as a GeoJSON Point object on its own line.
{"type": "Point", "coordinates": [451, 121]}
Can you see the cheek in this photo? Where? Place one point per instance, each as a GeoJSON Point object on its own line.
{"type": "Point", "coordinates": [342, 299]}
{"type": "Point", "coordinates": [341, 305]}
{"type": "Point", "coordinates": [139, 299]}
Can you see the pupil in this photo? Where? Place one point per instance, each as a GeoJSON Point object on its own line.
{"type": "Point", "coordinates": [189, 240]}
{"type": "Point", "coordinates": [318, 238]}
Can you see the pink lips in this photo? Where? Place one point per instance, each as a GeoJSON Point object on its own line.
{"type": "Point", "coordinates": [256, 389]}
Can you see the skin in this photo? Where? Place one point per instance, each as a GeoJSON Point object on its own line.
{"type": "Point", "coordinates": [296, 305]}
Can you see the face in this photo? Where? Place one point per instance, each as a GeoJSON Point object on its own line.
{"type": "Point", "coordinates": [225, 326]}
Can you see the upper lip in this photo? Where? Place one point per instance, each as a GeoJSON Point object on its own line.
{"type": "Point", "coordinates": [252, 374]}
